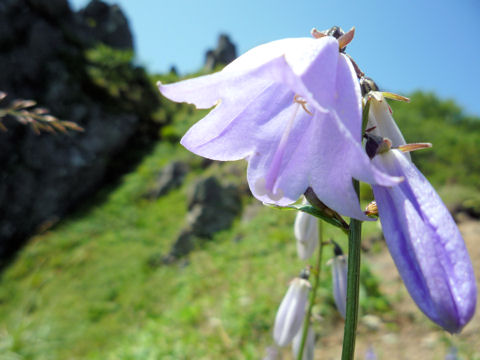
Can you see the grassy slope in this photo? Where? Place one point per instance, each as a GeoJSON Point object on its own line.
{"type": "Point", "coordinates": [88, 290]}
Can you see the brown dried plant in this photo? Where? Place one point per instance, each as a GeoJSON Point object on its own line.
{"type": "Point", "coordinates": [38, 118]}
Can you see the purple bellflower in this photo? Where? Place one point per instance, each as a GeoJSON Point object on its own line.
{"type": "Point", "coordinates": [292, 108]}
{"type": "Point", "coordinates": [425, 244]}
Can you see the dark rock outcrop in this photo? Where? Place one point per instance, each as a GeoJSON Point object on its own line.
{"type": "Point", "coordinates": [52, 55]}
{"type": "Point", "coordinates": [224, 53]}
{"type": "Point", "coordinates": [171, 177]}
{"type": "Point", "coordinates": [212, 208]}
{"type": "Point", "coordinates": [107, 24]}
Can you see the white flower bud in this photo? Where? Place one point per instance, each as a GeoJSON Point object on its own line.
{"type": "Point", "coordinates": [291, 312]}
{"type": "Point", "coordinates": [339, 279]}
{"type": "Point", "coordinates": [309, 346]}
{"type": "Point", "coordinates": [306, 233]}
{"type": "Point", "coordinates": [380, 118]}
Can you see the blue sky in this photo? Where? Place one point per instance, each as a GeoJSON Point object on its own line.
{"type": "Point", "coordinates": [403, 45]}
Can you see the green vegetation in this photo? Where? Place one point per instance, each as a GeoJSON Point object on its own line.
{"type": "Point", "coordinates": [455, 138]}
{"type": "Point", "coordinates": [92, 288]}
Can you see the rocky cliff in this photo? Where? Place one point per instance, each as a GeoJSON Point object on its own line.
{"type": "Point", "coordinates": [78, 65]}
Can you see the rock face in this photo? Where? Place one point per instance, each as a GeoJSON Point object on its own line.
{"type": "Point", "coordinates": [212, 207]}
{"type": "Point", "coordinates": [107, 24]}
{"type": "Point", "coordinates": [170, 177]}
{"type": "Point", "coordinates": [47, 54]}
{"type": "Point", "coordinates": [222, 55]}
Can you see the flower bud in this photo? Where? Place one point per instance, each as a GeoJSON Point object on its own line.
{"type": "Point", "coordinates": [381, 122]}
{"type": "Point", "coordinates": [309, 346]}
{"type": "Point", "coordinates": [291, 312]}
{"type": "Point", "coordinates": [306, 233]}
{"type": "Point", "coordinates": [339, 279]}
{"type": "Point", "coordinates": [452, 354]}
{"type": "Point", "coordinates": [426, 245]}
{"type": "Point", "coordinates": [272, 353]}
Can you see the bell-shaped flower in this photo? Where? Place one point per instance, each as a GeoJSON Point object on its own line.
{"type": "Point", "coordinates": [339, 279]}
{"type": "Point", "coordinates": [292, 109]}
{"type": "Point", "coordinates": [309, 346]}
{"type": "Point", "coordinates": [306, 233]}
{"type": "Point", "coordinates": [425, 244]}
{"type": "Point", "coordinates": [291, 312]}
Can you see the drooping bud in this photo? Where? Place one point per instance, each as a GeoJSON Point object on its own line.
{"type": "Point", "coordinates": [339, 279]}
{"type": "Point", "coordinates": [291, 312]}
{"type": "Point", "coordinates": [309, 346]}
{"type": "Point", "coordinates": [306, 233]}
{"type": "Point", "coordinates": [426, 245]}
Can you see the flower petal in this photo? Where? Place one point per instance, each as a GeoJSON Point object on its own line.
{"type": "Point", "coordinates": [348, 98]}
{"type": "Point", "coordinates": [226, 135]}
{"type": "Point", "coordinates": [426, 245]}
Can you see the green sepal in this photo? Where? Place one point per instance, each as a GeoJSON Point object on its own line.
{"type": "Point", "coordinates": [365, 111]}
{"type": "Point", "coordinates": [312, 210]}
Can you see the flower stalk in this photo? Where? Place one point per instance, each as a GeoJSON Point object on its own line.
{"type": "Point", "coordinates": [316, 280]}
{"type": "Point", "coordinates": [353, 286]}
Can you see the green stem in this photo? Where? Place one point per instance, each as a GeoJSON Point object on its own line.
{"type": "Point", "coordinates": [353, 282]}
{"type": "Point", "coordinates": [316, 280]}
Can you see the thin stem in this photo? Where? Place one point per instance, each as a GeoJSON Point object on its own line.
{"type": "Point", "coordinates": [353, 282]}
{"type": "Point", "coordinates": [316, 280]}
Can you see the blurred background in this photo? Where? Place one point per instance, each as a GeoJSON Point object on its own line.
{"type": "Point", "coordinates": [116, 243]}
